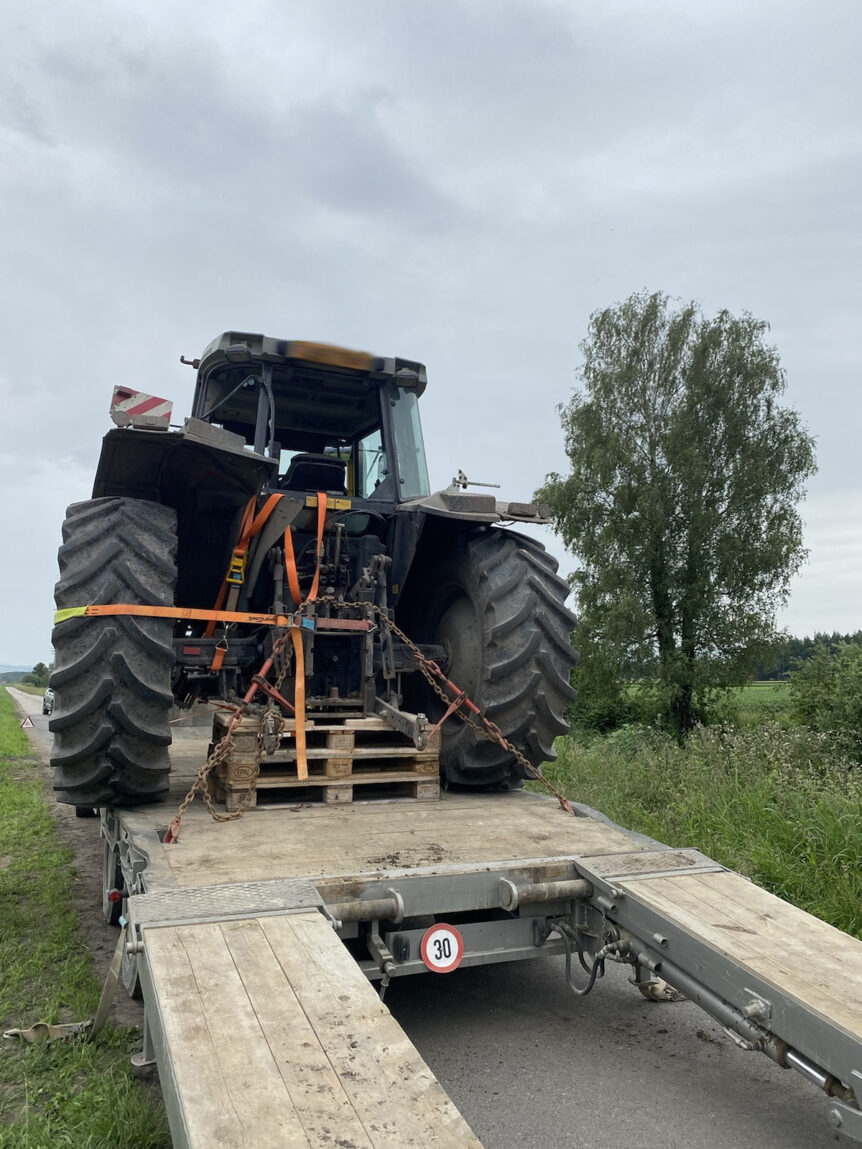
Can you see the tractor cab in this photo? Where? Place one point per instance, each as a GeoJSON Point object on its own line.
{"type": "Point", "coordinates": [340, 421]}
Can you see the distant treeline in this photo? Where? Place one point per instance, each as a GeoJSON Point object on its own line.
{"type": "Point", "coordinates": [38, 676]}
{"type": "Point", "coordinates": [790, 653]}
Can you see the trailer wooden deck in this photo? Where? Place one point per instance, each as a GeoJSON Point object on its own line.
{"type": "Point", "coordinates": [296, 840]}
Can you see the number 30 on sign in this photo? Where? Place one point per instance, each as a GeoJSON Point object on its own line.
{"type": "Point", "coordinates": [442, 948]}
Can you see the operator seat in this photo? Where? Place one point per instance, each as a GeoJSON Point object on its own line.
{"type": "Point", "coordinates": [310, 472]}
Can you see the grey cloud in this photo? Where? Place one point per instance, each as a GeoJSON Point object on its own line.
{"type": "Point", "coordinates": [461, 183]}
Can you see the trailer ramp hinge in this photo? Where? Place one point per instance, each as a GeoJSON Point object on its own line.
{"type": "Point", "coordinates": [758, 1009]}
{"type": "Point", "coordinates": [381, 952]}
{"type": "Point", "coordinates": [847, 1118]}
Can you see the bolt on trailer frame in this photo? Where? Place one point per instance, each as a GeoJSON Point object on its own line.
{"type": "Point", "coordinates": [769, 973]}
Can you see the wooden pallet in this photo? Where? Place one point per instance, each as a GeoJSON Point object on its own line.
{"type": "Point", "coordinates": [348, 760]}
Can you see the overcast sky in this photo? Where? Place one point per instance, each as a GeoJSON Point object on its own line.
{"type": "Point", "coordinates": [461, 183]}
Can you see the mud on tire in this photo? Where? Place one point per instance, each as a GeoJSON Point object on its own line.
{"type": "Point", "coordinates": [498, 607]}
{"type": "Point", "coordinates": [112, 675]}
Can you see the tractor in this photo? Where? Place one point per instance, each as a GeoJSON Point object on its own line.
{"type": "Point", "coordinates": [297, 496]}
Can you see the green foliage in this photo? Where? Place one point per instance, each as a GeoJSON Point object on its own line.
{"type": "Point", "coordinates": [602, 701]}
{"type": "Point", "coordinates": [38, 676]}
{"type": "Point", "coordinates": [681, 501]}
{"type": "Point", "coordinates": [67, 1093]}
{"type": "Point", "coordinates": [826, 693]}
{"type": "Point", "coordinates": [782, 806]}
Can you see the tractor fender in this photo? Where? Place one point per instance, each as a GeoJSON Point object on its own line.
{"type": "Point", "coordinates": [474, 507]}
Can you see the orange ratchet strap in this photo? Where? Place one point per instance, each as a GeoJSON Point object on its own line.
{"type": "Point", "coordinates": [290, 556]}
{"type": "Point", "coordinates": [299, 651]}
{"type": "Point", "coordinates": [177, 612]}
{"type": "Point", "coordinates": [250, 526]}
{"type": "Point", "coordinates": [299, 704]}
{"type": "Point", "coordinates": [290, 567]}
{"type": "Point", "coordinates": [188, 612]}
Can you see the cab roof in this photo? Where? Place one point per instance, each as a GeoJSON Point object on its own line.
{"type": "Point", "coordinates": [238, 348]}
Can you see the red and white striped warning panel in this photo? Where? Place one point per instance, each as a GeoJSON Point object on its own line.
{"type": "Point", "coordinates": [138, 409]}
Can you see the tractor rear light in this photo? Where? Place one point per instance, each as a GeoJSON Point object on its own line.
{"type": "Point", "coordinates": [192, 650]}
{"type": "Point", "coordinates": [115, 895]}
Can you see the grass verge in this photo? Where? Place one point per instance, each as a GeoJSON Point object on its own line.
{"type": "Point", "coordinates": [26, 688]}
{"type": "Point", "coordinates": [66, 1093]}
{"type": "Point", "coordinates": [781, 806]}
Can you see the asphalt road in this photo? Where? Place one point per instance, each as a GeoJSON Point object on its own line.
{"type": "Point", "coordinates": [531, 1065]}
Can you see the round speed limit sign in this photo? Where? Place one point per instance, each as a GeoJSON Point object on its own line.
{"type": "Point", "coordinates": [442, 948]}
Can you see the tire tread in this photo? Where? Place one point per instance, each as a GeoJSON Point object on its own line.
{"type": "Point", "coordinates": [112, 677]}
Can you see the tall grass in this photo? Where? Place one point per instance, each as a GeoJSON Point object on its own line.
{"type": "Point", "coordinates": [67, 1093]}
{"type": "Point", "coordinates": [782, 806]}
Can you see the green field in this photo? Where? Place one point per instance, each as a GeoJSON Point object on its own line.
{"type": "Point", "coordinates": [66, 1094]}
{"type": "Point", "coordinates": [758, 702]}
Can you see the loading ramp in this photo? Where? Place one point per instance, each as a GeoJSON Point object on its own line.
{"type": "Point", "coordinates": [266, 1033]}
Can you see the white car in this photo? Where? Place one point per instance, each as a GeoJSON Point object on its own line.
{"type": "Point", "coordinates": [48, 702]}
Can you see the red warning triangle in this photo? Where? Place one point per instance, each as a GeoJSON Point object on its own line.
{"type": "Point", "coordinates": [27, 724]}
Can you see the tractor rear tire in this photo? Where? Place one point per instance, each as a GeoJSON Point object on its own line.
{"type": "Point", "coordinates": [112, 681]}
{"type": "Point", "coordinates": [497, 606]}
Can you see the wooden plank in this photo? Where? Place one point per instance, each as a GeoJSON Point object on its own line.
{"type": "Point", "coordinates": [195, 1065]}
{"type": "Point", "coordinates": [323, 752]}
{"type": "Point", "coordinates": [397, 1097]}
{"type": "Point", "coordinates": [231, 1092]}
{"type": "Point", "coordinates": [768, 936]}
{"type": "Point", "coordinates": [319, 1098]}
{"type": "Point", "coordinates": [381, 777]}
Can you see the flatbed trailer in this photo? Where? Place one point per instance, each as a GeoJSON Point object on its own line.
{"type": "Point", "coordinates": [269, 1030]}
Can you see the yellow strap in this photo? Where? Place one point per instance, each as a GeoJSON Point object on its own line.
{"type": "Point", "coordinates": [70, 612]}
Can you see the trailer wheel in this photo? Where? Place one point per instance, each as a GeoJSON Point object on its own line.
{"type": "Point", "coordinates": [113, 674]}
{"type": "Point", "coordinates": [497, 605]}
{"type": "Point", "coordinates": [112, 879]}
{"type": "Point", "coordinates": [129, 964]}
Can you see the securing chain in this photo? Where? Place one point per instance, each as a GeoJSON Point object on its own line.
{"type": "Point", "coordinates": [222, 750]}
{"type": "Point", "coordinates": [436, 679]}
{"type": "Point", "coordinates": [429, 669]}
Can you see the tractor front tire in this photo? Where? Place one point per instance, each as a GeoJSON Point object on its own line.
{"type": "Point", "coordinates": [497, 606]}
{"type": "Point", "coordinates": [112, 674]}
